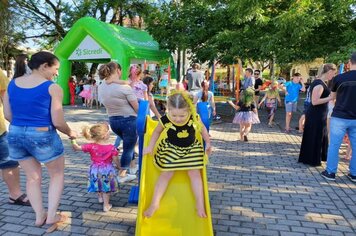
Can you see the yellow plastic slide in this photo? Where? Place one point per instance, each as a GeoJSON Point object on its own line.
{"type": "Point", "coordinates": [176, 215]}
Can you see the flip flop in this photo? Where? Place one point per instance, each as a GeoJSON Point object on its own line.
{"type": "Point", "coordinates": [20, 200]}
{"type": "Point", "coordinates": [53, 226]}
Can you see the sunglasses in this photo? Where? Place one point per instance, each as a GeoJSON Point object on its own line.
{"type": "Point", "coordinates": [256, 74]}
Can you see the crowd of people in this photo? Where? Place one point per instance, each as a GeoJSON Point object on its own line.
{"type": "Point", "coordinates": [86, 89]}
{"type": "Point", "coordinates": [32, 103]}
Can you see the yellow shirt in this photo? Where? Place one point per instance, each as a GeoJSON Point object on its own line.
{"type": "Point", "coordinates": [4, 81]}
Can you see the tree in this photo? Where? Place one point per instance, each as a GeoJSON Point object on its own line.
{"type": "Point", "coordinates": [50, 20]}
{"type": "Point", "coordinates": [256, 30]}
{"type": "Point", "coordinates": [180, 26]}
{"type": "Point", "coordinates": [79, 69]}
{"type": "Point", "coordinates": [10, 39]}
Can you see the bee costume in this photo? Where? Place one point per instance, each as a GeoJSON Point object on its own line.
{"type": "Point", "coordinates": [180, 146]}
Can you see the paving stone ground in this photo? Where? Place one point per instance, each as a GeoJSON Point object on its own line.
{"type": "Point", "coordinates": [255, 188]}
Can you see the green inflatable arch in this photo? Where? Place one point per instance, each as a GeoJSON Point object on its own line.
{"type": "Point", "coordinates": [90, 40]}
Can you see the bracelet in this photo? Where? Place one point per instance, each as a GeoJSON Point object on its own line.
{"type": "Point", "coordinates": [73, 141]}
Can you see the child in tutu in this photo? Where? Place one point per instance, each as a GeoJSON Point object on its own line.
{"type": "Point", "coordinates": [86, 93]}
{"type": "Point", "coordinates": [102, 173]}
{"type": "Point", "coordinates": [247, 113]}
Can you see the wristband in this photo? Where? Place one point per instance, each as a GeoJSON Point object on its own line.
{"type": "Point", "coordinates": [73, 141]}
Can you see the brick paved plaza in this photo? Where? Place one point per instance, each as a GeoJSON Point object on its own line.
{"type": "Point", "coordinates": [256, 188]}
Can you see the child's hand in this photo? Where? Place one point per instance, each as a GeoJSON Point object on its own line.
{"type": "Point", "coordinates": [75, 145]}
{"type": "Point", "coordinates": [147, 150]}
{"type": "Point", "coordinates": [73, 141]}
{"type": "Point", "coordinates": [208, 149]}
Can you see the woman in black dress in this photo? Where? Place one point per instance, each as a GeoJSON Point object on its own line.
{"type": "Point", "coordinates": [315, 137]}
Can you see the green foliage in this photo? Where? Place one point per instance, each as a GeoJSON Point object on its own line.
{"type": "Point", "coordinates": [289, 30]}
{"type": "Point", "coordinates": [255, 30]}
{"type": "Point", "coordinates": [10, 37]}
{"type": "Point", "coordinates": [48, 22]}
{"type": "Point", "coordinates": [79, 69]}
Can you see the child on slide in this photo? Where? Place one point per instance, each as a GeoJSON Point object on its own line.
{"type": "Point", "coordinates": [180, 124]}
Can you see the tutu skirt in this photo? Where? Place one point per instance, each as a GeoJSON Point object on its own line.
{"type": "Point", "coordinates": [85, 94]}
{"type": "Point", "coordinates": [246, 117]}
{"type": "Point", "coordinates": [102, 178]}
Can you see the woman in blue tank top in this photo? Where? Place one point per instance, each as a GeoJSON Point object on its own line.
{"type": "Point", "coordinates": [33, 106]}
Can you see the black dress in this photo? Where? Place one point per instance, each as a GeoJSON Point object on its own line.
{"type": "Point", "coordinates": [315, 137]}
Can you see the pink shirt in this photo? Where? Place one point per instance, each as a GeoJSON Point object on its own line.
{"type": "Point", "coordinates": [100, 154]}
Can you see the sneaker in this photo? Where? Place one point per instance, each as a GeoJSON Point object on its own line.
{"type": "Point", "coordinates": [352, 177]}
{"type": "Point", "coordinates": [107, 208]}
{"type": "Point", "coordinates": [245, 138]}
{"type": "Point", "coordinates": [328, 176]}
{"type": "Point", "coordinates": [127, 178]}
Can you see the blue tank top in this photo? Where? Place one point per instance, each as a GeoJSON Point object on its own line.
{"type": "Point", "coordinates": [30, 106]}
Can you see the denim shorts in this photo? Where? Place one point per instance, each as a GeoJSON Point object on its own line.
{"type": "Point", "coordinates": [291, 106]}
{"type": "Point", "coordinates": [42, 143]}
{"type": "Point", "coordinates": [5, 162]}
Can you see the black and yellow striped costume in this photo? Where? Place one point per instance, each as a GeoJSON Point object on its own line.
{"type": "Point", "coordinates": [178, 148]}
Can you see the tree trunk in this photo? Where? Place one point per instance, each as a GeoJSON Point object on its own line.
{"type": "Point", "coordinates": [272, 67]}
{"type": "Point", "coordinates": [228, 76]}
{"type": "Point", "coordinates": [183, 63]}
{"type": "Point", "coordinates": [178, 64]}
{"type": "Point", "coordinates": [93, 68]}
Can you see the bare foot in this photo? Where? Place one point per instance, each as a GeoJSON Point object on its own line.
{"type": "Point", "coordinates": [59, 219]}
{"type": "Point", "coordinates": [150, 211]}
{"type": "Point", "coordinates": [201, 211]}
{"type": "Point", "coordinates": [41, 221]}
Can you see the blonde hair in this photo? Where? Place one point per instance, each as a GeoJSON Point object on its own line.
{"type": "Point", "coordinates": [183, 100]}
{"type": "Point", "coordinates": [96, 132]}
{"type": "Point", "coordinates": [325, 68]}
{"type": "Point", "coordinates": [178, 99]}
